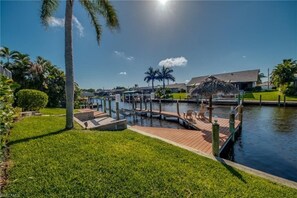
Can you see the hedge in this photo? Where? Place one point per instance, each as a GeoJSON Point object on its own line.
{"type": "Point", "coordinates": [31, 100]}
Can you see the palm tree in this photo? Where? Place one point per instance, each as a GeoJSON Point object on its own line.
{"type": "Point", "coordinates": [151, 75]}
{"type": "Point", "coordinates": [165, 74]}
{"type": "Point", "coordinates": [5, 53]}
{"type": "Point", "coordinates": [283, 74]}
{"type": "Point", "coordinates": [20, 68]}
{"type": "Point", "coordinates": [93, 8]}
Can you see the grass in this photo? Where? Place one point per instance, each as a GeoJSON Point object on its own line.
{"type": "Point", "coordinates": [54, 111]}
{"type": "Point", "coordinates": [269, 96]}
{"type": "Point", "coordinates": [46, 161]}
{"type": "Point", "coordinates": [179, 95]}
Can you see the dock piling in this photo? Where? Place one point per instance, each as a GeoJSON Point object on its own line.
{"type": "Point", "coordinates": [160, 108]}
{"type": "Point", "coordinates": [151, 108]}
{"type": "Point", "coordinates": [232, 124]}
{"type": "Point", "coordinates": [279, 100]}
{"type": "Point", "coordinates": [215, 138]}
{"type": "Point", "coordinates": [117, 110]}
{"type": "Point", "coordinates": [109, 106]}
{"type": "Point", "coordinates": [260, 100]}
{"type": "Point", "coordinates": [284, 100]}
{"type": "Point", "coordinates": [104, 105]}
{"type": "Point", "coordinates": [240, 115]}
{"type": "Point", "coordinates": [97, 106]}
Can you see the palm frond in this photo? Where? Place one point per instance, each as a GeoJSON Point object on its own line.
{"type": "Point", "coordinates": [47, 10]}
{"type": "Point", "coordinates": [90, 8]}
{"type": "Point", "coordinates": [109, 13]}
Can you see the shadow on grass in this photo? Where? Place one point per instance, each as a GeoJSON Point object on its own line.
{"type": "Point", "coordinates": [231, 169]}
{"type": "Point", "coordinates": [36, 137]}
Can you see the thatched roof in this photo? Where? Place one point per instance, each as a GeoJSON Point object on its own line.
{"type": "Point", "coordinates": [212, 85]}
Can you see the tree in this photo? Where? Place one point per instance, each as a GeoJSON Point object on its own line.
{"type": "Point", "coordinates": [151, 76]}
{"type": "Point", "coordinates": [5, 53]}
{"type": "Point", "coordinates": [283, 74]}
{"type": "Point", "coordinates": [93, 8]}
{"type": "Point", "coordinates": [20, 69]}
{"type": "Point", "coordinates": [165, 74]}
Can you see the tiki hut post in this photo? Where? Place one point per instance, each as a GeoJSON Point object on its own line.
{"type": "Point", "coordinates": [210, 108]}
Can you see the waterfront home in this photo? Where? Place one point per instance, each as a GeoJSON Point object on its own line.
{"type": "Point", "coordinates": [243, 80]}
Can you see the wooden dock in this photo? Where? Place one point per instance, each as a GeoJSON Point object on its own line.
{"type": "Point", "coordinates": [199, 139]}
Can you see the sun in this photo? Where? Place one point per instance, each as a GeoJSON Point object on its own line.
{"type": "Point", "coordinates": [163, 2]}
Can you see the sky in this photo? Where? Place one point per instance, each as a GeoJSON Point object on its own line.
{"type": "Point", "coordinates": [194, 38]}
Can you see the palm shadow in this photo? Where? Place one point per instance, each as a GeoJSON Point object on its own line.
{"type": "Point", "coordinates": [36, 137]}
{"type": "Point", "coordinates": [231, 169]}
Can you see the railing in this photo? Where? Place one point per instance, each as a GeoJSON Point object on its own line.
{"type": "Point", "coordinates": [5, 72]}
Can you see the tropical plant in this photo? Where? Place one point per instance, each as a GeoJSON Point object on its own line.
{"type": "Point", "coordinates": [20, 68]}
{"type": "Point", "coordinates": [283, 74]}
{"type": "Point", "coordinates": [6, 54]}
{"type": "Point", "coordinates": [31, 100]}
{"type": "Point", "coordinates": [165, 74]}
{"type": "Point", "coordinates": [93, 8]}
{"type": "Point", "coordinates": [6, 110]}
{"type": "Point", "coordinates": [151, 76]}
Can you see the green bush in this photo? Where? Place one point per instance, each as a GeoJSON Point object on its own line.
{"type": "Point", "coordinates": [291, 91]}
{"type": "Point", "coordinates": [31, 100]}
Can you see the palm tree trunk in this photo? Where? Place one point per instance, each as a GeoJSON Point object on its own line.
{"type": "Point", "coordinates": [153, 85]}
{"type": "Point", "coordinates": [69, 65]}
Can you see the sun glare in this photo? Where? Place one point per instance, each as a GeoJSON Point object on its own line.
{"type": "Point", "coordinates": [163, 2]}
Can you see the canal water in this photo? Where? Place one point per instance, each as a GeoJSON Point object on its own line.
{"type": "Point", "coordinates": [268, 141]}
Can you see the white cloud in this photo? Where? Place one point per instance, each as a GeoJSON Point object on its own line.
{"type": "Point", "coordinates": [186, 81]}
{"type": "Point", "coordinates": [60, 22]}
{"type": "Point", "coordinates": [243, 56]}
{"type": "Point", "coordinates": [123, 73]}
{"type": "Point", "coordinates": [56, 22]}
{"type": "Point", "coordinates": [123, 55]}
{"type": "Point", "coordinates": [174, 62]}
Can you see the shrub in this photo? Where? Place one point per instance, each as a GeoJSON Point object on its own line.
{"type": "Point", "coordinates": [6, 111]}
{"type": "Point", "coordinates": [291, 91]}
{"type": "Point", "coordinates": [31, 100]}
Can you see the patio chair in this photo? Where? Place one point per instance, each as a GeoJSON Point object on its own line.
{"type": "Point", "coordinates": [189, 114]}
{"type": "Point", "coordinates": [202, 111]}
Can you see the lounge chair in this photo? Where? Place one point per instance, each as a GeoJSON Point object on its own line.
{"type": "Point", "coordinates": [201, 111]}
{"type": "Point", "coordinates": [189, 114]}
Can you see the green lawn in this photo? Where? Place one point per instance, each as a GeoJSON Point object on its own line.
{"type": "Point", "coordinates": [54, 111]}
{"type": "Point", "coordinates": [46, 161]}
{"type": "Point", "coordinates": [271, 96]}
{"type": "Point", "coordinates": [179, 95]}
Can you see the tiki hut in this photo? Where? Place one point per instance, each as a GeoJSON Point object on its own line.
{"type": "Point", "coordinates": [211, 86]}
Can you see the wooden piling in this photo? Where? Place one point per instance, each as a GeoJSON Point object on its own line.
{"type": "Point", "coordinates": [260, 100]}
{"type": "Point", "coordinates": [160, 108]}
{"type": "Point", "coordinates": [151, 108]}
{"type": "Point", "coordinates": [109, 106]}
{"type": "Point", "coordinates": [104, 105]}
{"type": "Point", "coordinates": [240, 115]}
{"type": "Point", "coordinates": [145, 104]}
{"type": "Point", "coordinates": [97, 106]}
{"type": "Point", "coordinates": [284, 100]}
{"type": "Point", "coordinates": [215, 138]}
{"type": "Point", "coordinates": [232, 125]}
{"type": "Point", "coordinates": [279, 97]}
{"type": "Point", "coordinates": [117, 110]}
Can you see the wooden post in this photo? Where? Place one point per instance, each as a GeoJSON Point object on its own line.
{"type": "Point", "coordinates": [97, 106]}
{"type": "Point", "coordinates": [215, 138]}
{"type": "Point", "coordinates": [232, 124]}
{"type": "Point", "coordinates": [240, 115]}
{"type": "Point", "coordinates": [279, 100]}
{"type": "Point", "coordinates": [177, 107]}
{"type": "Point", "coordinates": [284, 100]}
{"type": "Point", "coordinates": [140, 104]}
{"type": "Point", "coordinates": [109, 106]}
{"type": "Point", "coordinates": [117, 110]}
{"type": "Point", "coordinates": [145, 104]}
{"type": "Point", "coordinates": [210, 109]}
{"type": "Point", "coordinates": [151, 108]}
{"type": "Point", "coordinates": [260, 100]}
{"type": "Point", "coordinates": [104, 105]}
{"type": "Point", "coordinates": [160, 108]}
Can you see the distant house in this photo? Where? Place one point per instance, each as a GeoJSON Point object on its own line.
{"type": "Point", "coordinates": [86, 94]}
{"type": "Point", "coordinates": [177, 87]}
{"type": "Point", "coordinates": [241, 79]}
